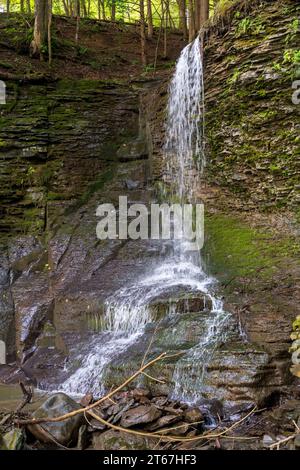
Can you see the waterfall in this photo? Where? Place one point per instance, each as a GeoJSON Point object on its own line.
{"type": "Point", "coordinates": [128, 311]}
{"type": "Point", "coordinates": [184, 141]}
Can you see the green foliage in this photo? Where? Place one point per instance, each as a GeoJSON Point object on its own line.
{"type": "Point", "coordinates": [82, 50]}
{"type": "Point", "coordinates": [234, 77]}
{"type": "Point", "coordinates": [249, 26]}
{"type": "Point", "coordinates": [291, 56]}
{"type": "Point", "coordinates": [293, 29]}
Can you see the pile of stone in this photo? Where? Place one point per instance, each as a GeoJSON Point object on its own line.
{"type": "Point", "coordinates": [136, 409]}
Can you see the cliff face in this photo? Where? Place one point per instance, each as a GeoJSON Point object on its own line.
{"type": "Point", "coordinates": [57, 139]}
{"type": "Point", "coordinates": [252, 126]}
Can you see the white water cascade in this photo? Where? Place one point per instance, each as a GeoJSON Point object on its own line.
{"type": "Point", "coordinates": [184, 141]}
{"type": "Point", "coordinates": [127, 312]}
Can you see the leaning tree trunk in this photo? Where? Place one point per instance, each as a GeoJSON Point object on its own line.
{"type": "Point", "coordinates": [40, 32]}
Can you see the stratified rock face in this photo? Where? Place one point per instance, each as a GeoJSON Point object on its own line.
{"type": "Point", "coordinates": [55, 140]}
{"type": "Point", "coordinates": [252, 125]}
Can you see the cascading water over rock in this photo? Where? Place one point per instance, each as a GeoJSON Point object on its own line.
{"type": "Point", "coordinates": [184, 141]}
{"type": "Point", "coordinates": [128, 311]}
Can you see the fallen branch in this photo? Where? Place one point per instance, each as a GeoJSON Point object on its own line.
{"type": "Point", "coordinates": [169, 438]}
{"type": "Point", "coordinates": [97, 403]}
{"type": "Point", "coordinates": [158, 435]}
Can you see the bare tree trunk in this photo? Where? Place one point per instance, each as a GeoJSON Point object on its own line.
{"type": "Point", "coordinates": [149, 19]}
{"type": "Point", "coordinates": [28, 6]}
{"type": "Point", "coordinates": [113, 11]}
{"type": "Point", "coordinates": [204, 11]}
{"type": "Point", "coordinates": [22, 6]}
{"type": "Point", "coordinates": [182, 18]}
{"type": "Point", "coordinates": [99, 9]}
{"type": "Point", "coordinates": [40, 32]}
{"type": "Point", "coordinates": [191, 21]}
{"type": "Point", "coordinates": [49, 31]}
{"type": "Point", "coordinates": [143, 32]}
{"type": "Point", "coordinates": [197, 14]}
{"type": "Point", "coordinates": [7, 6]}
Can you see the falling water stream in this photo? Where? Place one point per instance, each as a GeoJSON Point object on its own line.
{"type": "Point", "coordinates": [127, 312]}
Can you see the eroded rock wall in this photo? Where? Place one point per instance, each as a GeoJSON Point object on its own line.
{"type": "Point", "coordinates": [55, 140]}
{"type": "Point", "coordinates": [252, 125]}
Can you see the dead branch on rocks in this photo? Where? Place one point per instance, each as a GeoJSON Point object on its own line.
{"type": "Point", "coordinates": [209, 435]}
{"type": "Point", "coordinates": [158, 435]}
{"type": "Point", "coordinates": [98, 402]}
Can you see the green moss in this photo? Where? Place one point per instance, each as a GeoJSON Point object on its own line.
{"type": "Point", "coordinates": [51, 196]}
{"type": "Point", "coordinates": [6, 65]}
{"type": "Point", "coordinates": [235, 250]}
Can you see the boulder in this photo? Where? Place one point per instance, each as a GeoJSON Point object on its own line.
{"type": "Point", "coordinates": [65, 432]}
{"type": "Point", "coordinates": [140, 415]}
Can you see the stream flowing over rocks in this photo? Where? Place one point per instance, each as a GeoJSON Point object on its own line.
{"type": "Point", "coordinates": [80, 315]}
